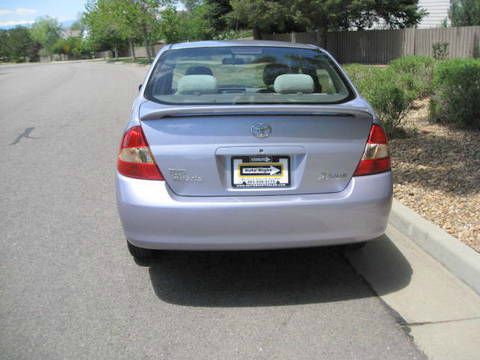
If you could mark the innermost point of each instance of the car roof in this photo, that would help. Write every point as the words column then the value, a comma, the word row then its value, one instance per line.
column 224, row 43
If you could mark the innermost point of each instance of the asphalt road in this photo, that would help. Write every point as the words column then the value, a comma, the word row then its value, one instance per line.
column 70, row 290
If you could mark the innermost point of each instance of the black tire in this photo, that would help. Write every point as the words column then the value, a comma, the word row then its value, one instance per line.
column 141, row 253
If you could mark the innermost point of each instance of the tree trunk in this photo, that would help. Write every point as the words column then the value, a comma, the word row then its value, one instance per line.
column 147, row 43
column 132, row 50
column 147, row 48
column 115, row 52
column 257, row 35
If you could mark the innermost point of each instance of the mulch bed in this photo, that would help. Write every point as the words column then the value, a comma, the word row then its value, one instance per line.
column 437, row 173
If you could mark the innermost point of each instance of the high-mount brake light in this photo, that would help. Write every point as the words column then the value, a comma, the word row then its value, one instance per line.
column 376, row 157
column 135, row 158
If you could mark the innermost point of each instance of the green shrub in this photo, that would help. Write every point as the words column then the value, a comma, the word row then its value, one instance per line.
column 440, row 50
column 417, row 73
column 384, row 90
column 358, row 73
column 457, row 93
column 233, row 34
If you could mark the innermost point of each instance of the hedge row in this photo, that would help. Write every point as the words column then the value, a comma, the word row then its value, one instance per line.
column 456, row 95
column 417, row 73
column 386, row 91
column 452, row 85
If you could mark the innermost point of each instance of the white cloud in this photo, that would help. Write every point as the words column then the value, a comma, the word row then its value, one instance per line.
column 15, row 22
column 17, row 11
column 25, row 11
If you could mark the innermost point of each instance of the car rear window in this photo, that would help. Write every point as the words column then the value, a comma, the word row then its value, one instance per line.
column 247, row 75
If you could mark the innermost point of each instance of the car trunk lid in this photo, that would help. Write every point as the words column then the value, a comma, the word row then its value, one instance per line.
column 201, row 150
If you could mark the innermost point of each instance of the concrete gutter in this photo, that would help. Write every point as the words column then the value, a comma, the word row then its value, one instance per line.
column 458, row 258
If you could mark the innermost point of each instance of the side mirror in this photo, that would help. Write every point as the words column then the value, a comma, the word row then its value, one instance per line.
column 139, row 87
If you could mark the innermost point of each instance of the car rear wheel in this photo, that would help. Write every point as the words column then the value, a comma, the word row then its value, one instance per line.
column 141, row 253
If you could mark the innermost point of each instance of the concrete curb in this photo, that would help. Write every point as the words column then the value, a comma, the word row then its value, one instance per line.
column 459, row 259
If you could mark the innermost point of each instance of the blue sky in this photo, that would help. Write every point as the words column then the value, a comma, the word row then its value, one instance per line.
column 24, row 12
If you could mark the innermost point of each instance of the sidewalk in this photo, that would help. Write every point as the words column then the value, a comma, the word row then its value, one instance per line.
column 439, row 311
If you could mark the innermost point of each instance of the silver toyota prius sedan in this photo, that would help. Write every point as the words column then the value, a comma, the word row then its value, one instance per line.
column 238, row 145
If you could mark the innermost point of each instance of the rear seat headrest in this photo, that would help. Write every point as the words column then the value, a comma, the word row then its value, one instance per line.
column 293, row 83
column 191, row 84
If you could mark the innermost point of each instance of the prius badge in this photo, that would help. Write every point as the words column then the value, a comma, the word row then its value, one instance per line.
column 261, row 130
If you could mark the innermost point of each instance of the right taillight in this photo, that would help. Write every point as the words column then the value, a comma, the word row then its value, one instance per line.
column 135, row 159
column 376, row 157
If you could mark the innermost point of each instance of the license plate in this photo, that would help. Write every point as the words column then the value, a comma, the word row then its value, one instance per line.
column 260, row 171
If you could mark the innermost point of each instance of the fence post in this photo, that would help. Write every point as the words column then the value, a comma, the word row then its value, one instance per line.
column 409, row 41
column 476, row 46
column 415, row 42
column 293, row 38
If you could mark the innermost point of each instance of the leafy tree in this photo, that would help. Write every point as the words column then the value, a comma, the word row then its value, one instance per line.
column 145, row 19
column 175, row 26
column 76, row 46
column 22, row 45
column 17, row 45
column 323, row 15
column 465, row 12
column 260, row 15
column 218, row 9
column 127, row 16
column 46, row 31
column 3, row 45
column 345, row 14
column 198, row 23
column 215, row 16
column 115, row 22
column 60, row 47
column 191, row 4
column 72, row 46
column 170, row 27
column 104, row 31
column 396, row 14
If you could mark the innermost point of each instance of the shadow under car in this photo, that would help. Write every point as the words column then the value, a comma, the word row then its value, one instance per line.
column 271, row 277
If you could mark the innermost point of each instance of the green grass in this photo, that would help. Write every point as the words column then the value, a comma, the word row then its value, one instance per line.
column 128, row 60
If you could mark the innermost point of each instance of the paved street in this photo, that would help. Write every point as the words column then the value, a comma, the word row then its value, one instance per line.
column 70, row 290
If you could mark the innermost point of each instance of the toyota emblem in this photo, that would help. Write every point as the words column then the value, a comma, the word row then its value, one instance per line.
column 261, row 130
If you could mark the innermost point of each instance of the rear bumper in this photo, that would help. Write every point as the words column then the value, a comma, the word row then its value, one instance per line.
column 154, row 217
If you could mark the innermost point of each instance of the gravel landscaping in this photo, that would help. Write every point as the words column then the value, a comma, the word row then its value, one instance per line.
column 437, row 174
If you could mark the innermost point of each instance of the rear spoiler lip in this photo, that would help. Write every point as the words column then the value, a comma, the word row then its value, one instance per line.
column 215, row 110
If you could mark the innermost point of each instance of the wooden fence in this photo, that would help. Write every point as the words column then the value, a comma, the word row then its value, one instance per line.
column 382, row 46
column 141, row 51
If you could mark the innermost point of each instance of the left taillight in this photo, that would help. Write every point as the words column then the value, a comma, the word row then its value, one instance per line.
column 376, row 157
column 135, row 158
